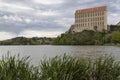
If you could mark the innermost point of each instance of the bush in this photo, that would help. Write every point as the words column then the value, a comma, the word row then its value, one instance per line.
column 116, row 37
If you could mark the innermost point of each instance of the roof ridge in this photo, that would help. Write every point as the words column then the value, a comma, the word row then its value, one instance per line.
column 100, row 8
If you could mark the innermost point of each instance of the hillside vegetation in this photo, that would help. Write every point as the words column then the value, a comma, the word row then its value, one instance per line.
column 89, row 37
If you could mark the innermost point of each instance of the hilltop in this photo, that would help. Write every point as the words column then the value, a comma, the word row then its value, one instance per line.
column 27, row 41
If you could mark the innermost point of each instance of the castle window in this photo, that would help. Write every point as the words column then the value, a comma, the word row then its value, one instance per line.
column 103, row 23
column 102, row 13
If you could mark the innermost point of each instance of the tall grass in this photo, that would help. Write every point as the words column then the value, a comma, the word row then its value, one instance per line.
column 16, row 68
column 69, row 68
column 106, row 68
column 65, row 68
column 59, row 68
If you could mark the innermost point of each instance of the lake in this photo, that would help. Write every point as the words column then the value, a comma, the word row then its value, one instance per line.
column 37, row 53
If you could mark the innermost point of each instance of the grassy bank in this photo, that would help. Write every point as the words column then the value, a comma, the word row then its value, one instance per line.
column 59, row 68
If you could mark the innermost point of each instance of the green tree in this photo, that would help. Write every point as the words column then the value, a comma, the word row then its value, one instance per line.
column 116, row 37
column 108, row 38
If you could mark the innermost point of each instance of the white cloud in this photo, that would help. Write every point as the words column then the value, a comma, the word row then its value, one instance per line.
column 48, row 2
column 27, row 20
column 66, row 22
column 29, row 33
column 6, row 35
column 35, row 33
column 11, row 18
column 116, row 4
column 113, row 18
column 13, row 7
column 15, row 18
column 46, row 13
column 85, row 1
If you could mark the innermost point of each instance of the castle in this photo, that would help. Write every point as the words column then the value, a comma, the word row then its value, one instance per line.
column 90, row 19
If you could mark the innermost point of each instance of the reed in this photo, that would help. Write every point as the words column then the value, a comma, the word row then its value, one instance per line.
column 69, row 68
column 106, row 68
column 65, row 68
column 16, row 68
column 59, row 68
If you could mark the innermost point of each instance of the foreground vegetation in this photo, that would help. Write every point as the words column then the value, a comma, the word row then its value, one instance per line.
column 59, row 68
column 89, row 37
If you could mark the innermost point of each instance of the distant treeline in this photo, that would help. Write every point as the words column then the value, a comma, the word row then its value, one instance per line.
column 27, row 41
column 89, row 37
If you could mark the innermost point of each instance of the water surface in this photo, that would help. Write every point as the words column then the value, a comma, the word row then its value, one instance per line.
column 37, row 53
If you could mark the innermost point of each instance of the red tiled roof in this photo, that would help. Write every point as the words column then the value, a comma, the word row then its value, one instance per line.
column 101, row 8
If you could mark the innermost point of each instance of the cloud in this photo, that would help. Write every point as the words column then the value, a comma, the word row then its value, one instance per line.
column 85, row 1
column 115, row 4
column 9, row 7
column 46, row 13
column 6, row 35
column 29, row 33
column 11, row 18
column 113, row 18
column 15, row 18
column 27, row 20
column 48, row 2
column 36, row 33
column 65, row 22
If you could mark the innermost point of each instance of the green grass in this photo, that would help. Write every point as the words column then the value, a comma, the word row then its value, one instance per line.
column 16, row 68
column 59, row 68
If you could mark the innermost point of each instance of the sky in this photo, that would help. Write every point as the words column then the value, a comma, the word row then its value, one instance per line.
column 46, row 18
